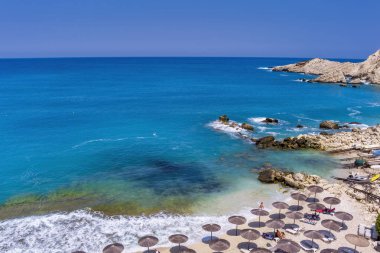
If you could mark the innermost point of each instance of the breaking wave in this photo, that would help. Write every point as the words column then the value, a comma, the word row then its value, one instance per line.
column 90, row 231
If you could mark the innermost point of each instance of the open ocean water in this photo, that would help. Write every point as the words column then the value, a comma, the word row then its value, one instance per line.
column 131, row 139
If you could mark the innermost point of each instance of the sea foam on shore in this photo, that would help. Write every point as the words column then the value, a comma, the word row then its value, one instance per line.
column 90, row 231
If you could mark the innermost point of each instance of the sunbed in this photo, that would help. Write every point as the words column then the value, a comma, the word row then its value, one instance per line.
column 308, row 246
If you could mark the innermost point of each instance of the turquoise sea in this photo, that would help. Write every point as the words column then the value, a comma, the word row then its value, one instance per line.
column 132, row 137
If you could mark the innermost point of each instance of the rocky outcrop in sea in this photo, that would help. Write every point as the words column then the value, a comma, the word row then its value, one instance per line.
column 328, row 71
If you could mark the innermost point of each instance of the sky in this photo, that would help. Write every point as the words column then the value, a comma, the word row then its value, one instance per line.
column 258, row 28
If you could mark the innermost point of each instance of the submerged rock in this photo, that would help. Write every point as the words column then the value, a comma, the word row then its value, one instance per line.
column 265, row 142
column 328, row 124
column 299, row 126
column 270, row 121
column 247, row 126
column 224, row 118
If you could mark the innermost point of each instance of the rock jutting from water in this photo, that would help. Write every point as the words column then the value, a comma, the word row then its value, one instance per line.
column 328, row 71
column 295, row 180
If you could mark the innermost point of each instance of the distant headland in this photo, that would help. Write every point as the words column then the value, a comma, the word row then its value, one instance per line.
column 328, row 71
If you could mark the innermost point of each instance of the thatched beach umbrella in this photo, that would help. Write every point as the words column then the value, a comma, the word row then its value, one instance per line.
column 237, row 220
column 332, row 201
column 299, row 197
column 186, row 250
column 275, row 224
column 178, row 239
column 313, row 234
column 260, row 250
column 288, row 246
column 280, row 205
column 316, row 206
column 343, row 216
column 250, row 235
column 294, row 215
column 329, row 251
column 259, row 212
column 331, row 225
column 113, row 248
column 357, row 240
column 211, row 228
column 148, row 241
column 315, row 189
column 220, row 245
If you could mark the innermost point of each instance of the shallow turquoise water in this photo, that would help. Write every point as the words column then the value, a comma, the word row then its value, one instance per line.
column 136, row 129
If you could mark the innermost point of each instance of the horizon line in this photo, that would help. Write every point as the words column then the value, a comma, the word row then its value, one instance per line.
column 97, row 57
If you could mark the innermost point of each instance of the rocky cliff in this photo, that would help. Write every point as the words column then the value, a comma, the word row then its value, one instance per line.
column 328, row 71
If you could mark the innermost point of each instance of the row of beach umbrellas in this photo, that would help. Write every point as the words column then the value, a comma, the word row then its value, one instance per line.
column 252, row 234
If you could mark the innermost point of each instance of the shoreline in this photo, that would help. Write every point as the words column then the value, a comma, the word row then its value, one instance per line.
column 357, row 209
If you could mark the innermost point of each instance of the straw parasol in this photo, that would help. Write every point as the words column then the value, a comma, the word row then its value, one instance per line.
column 314, row 206
column 288, row 246
column 220, row 245
column 294, row 215
column 331, row 225
column 299, row 197
column 211, row 228
column 343, row 216
column 113, row 248
column 250, row 235
column 259, row 212
column 78, row 251
column 178, row 239
column 280, row 205
column 260, row 250
column 148, row 241
column 331, row 201
column 237, row 220
column 313, row 234
column 186, row 250
column 275, row 224
column 315, row 189
column 329, row 251
column 357, row 240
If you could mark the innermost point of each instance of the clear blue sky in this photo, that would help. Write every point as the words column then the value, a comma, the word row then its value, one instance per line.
column 286, row 28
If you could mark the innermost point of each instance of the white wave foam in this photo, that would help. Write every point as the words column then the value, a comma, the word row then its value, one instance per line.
column 273, row 133
column 262, row 129
column 257, row 120
column 265, row 68
column 97, row 140
column 305, row 118
column 91, row 232
column 373, row 104
column 227, row 128
column 354, row 112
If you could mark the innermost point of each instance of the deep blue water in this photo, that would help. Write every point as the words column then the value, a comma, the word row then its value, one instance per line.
column 132, row 128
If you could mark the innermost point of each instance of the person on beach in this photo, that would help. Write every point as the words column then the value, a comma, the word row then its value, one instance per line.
column 280, row 234
column 261, row 205
column 157, row 251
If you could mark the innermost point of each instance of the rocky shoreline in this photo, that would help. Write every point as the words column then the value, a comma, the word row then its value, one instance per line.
column 368, row 138
column 328, row 71
column 348, row 139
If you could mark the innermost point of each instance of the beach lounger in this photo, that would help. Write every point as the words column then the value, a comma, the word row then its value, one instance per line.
column 306, row 246
column 364, row 231
column 328, row 239
column 374, row 235
column 270, row 236
column 311, row 222
column 294, row 230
